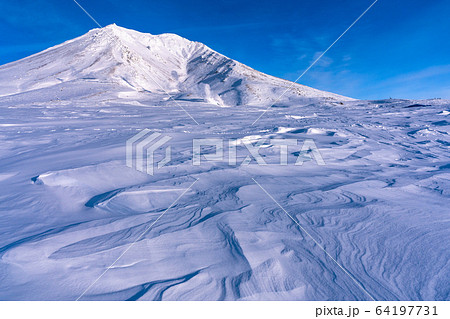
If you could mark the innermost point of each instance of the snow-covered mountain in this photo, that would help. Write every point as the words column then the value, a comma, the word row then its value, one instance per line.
column 76, row 223
column 132, row 64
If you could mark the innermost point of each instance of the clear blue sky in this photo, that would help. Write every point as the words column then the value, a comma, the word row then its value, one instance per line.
column 399, row 49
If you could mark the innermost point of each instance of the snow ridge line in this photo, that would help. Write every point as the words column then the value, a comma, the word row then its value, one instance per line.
column 314, row 240
column 139, row 238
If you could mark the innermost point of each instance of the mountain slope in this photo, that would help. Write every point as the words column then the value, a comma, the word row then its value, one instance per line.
column 124, row 63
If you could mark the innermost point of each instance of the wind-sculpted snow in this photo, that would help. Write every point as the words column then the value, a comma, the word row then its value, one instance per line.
column 70, row 207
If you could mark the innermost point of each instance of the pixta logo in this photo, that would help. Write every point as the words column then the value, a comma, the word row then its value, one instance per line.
column 141, row 151
column 142, row 147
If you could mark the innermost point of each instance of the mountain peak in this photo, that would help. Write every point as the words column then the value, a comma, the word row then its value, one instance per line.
column 112, row 26
column 114, row 30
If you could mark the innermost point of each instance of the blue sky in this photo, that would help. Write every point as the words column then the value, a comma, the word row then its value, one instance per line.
column 399, row 49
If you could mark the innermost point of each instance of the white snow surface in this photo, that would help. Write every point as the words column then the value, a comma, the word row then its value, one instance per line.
column 69, row 206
